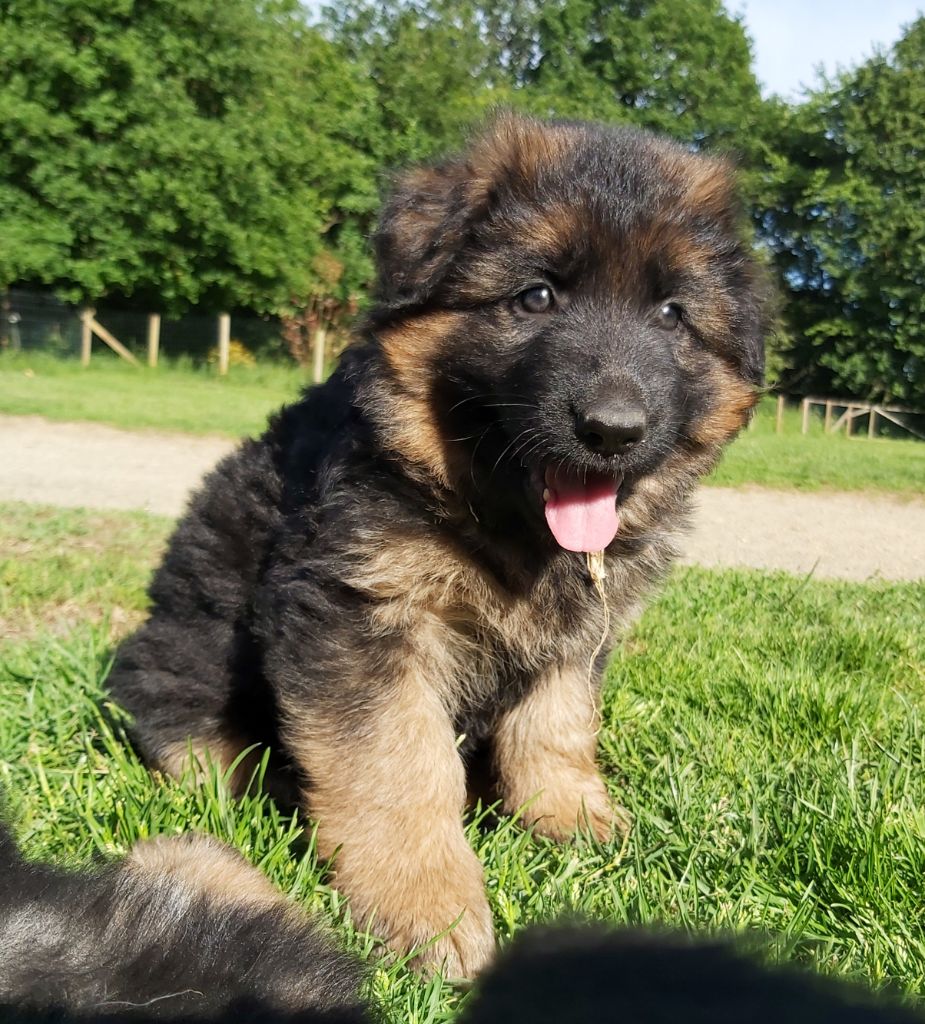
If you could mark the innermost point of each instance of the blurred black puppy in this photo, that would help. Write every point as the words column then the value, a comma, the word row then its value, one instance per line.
column 184, row 930
column 181, row 929
column 589, row 974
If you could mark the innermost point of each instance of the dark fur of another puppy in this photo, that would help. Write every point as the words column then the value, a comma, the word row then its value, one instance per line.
column 181, row 929
column 395, row 577
column 588, row 975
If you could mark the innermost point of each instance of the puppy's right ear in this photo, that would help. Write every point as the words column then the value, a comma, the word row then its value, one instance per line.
column 422, row 227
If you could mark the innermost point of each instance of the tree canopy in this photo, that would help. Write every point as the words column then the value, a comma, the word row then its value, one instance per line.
column 846, row 222
column 178, row 153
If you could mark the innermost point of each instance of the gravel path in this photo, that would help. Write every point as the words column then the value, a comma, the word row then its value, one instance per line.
column 839, row 535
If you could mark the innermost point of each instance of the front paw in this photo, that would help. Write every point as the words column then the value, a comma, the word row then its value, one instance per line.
column 437, row 911
column 560, row 813
column 464, row 947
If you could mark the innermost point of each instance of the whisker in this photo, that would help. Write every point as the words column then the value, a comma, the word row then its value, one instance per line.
column 506, row 450
column 477, row 398
column 526, row 455
column 474, row 450
column 531, row 434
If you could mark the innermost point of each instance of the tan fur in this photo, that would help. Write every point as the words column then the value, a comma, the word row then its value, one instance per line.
column 205, row 866
column 734, row 399
column 516, row 146
column 407, row 575
column 545, row 753
column 711, row 185
column 412, row 428
column 389, row 805
column 196, row 757
column 552, row 232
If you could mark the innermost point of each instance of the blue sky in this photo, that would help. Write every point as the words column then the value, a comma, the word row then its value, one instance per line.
column 791, row 37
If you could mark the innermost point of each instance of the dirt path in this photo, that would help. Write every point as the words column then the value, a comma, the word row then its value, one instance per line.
column 841, row 535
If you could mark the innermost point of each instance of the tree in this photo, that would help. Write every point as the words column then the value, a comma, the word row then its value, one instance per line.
column 848, row 229
column 433, row 65
column 177, row 151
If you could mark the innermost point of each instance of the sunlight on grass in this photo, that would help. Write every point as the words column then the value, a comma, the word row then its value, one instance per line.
column 175, row 396
column 818, row 461
column 766, row 732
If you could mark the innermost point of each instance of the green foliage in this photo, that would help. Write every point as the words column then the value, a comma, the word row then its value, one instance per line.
column 176, row 152
column 679, row 68
column 766, row 732
column 181, row 153
column 847, row 224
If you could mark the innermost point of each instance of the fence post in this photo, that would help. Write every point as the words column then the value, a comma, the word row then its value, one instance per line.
column 86, row 335
column 779, row 425
column 828, row 416
column 805, row 415
column 224, row 342
column 154, row 337
column 318, row 342
column 872, row 422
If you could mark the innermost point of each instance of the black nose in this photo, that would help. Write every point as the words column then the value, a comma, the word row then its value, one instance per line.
column 611, row 426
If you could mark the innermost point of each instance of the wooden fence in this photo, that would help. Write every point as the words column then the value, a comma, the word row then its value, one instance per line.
column 90, row 327
column 843, row 414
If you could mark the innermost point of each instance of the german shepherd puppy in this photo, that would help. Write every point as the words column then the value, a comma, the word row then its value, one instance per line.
column 428, row 555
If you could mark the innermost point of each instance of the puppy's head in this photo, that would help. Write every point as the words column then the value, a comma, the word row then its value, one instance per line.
column 565, row 312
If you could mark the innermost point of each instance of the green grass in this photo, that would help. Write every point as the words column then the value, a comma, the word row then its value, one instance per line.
column 817, row 461
column 174, row 396
column 178, row 396
column 767, row 733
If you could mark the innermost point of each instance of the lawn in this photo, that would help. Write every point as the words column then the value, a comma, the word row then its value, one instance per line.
column 179, row 396
column 819, row 461
column 175, row 396
column 767, row 733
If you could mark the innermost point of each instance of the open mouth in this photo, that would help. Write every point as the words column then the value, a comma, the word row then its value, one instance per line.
column 581, row 507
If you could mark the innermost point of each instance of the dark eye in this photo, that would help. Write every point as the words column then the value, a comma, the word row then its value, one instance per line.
column 669, row 316
column 539, row 299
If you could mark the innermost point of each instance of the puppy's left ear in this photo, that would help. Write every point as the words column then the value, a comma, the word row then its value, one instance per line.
column 422, row 227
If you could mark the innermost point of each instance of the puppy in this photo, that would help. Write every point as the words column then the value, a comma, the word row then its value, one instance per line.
column 588, row 975
column 427, row 557
column 182, row 929
column 185, row 931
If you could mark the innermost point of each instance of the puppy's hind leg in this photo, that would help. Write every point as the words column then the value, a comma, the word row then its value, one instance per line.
column 175, row 680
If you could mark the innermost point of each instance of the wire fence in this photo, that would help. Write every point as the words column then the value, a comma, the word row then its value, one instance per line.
column 39, row 321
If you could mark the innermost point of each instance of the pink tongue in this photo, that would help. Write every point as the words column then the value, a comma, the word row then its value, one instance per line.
column 582, row 513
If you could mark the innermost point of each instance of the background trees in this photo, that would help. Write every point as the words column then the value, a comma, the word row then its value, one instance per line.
column 178, row 153
column 185, row 153
column 846, row 223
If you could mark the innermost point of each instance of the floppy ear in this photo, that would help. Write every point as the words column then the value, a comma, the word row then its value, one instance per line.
column 426, row 220
column 422, row 227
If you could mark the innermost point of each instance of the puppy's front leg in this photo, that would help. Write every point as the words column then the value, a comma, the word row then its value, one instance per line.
column 387, row 787
column 545, row 754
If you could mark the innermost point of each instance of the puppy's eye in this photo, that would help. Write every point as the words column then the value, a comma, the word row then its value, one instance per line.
column 669, row 316
column 539, row 299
